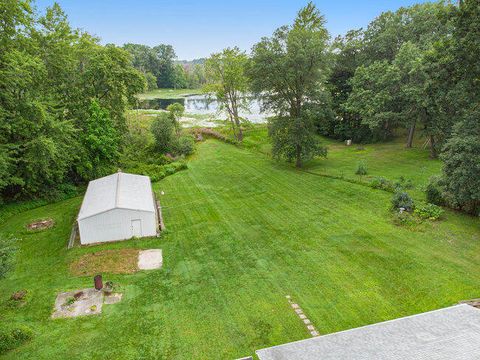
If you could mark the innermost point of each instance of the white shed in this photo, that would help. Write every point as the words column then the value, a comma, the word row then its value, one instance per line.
column 117, row 207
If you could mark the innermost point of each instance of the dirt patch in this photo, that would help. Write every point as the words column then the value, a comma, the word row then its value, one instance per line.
column 40, row 224
column 473, row 302
column 123, row 261
column 18, row 295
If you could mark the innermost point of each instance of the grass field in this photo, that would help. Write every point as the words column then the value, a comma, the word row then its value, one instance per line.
column 168, row 93
column 390, row 160
column 243, row 232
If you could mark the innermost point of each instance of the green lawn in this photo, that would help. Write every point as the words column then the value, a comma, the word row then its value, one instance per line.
column 168, row 93
column 390, row 160
column 243, row 232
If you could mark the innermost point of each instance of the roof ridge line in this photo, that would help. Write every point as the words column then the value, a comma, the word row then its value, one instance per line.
column 116, row 190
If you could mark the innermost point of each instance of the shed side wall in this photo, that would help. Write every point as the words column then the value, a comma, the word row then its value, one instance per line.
column 114, row 225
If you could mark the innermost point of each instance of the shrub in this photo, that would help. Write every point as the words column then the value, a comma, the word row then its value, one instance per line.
column 151, row 81
column 429, row 211
column 382, row 183
column 186, row 145
column 401, row 199
column 403, row 183
column 158, row 172
column 461, row 163
column 12, row 338
column 405, row 219
column 361, row 169
column 434, row 191
column 163, row 130
column 215, row 134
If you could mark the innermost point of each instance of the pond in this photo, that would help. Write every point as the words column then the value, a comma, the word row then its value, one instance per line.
column 203, row 105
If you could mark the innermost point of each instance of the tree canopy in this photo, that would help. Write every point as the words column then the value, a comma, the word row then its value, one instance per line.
column 49, row 76
column 288, row 70
column 227, row 80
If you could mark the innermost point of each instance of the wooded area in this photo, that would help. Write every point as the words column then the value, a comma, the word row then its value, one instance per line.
column 415, row 70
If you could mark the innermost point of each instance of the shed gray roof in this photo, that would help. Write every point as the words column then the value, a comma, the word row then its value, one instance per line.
column 119, row 190
column 452, row 333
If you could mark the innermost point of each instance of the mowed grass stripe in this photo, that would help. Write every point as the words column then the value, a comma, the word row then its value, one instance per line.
column 242, row 232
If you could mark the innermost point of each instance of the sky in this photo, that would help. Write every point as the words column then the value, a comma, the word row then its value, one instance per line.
column 198, row 28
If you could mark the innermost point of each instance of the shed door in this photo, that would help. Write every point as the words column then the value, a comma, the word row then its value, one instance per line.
column 137, row 228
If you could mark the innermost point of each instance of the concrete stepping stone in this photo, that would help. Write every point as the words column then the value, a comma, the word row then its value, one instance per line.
column 113, row 298
column 306, row 321
column 150, row 259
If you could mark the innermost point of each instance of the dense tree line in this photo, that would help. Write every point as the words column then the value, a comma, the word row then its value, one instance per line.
column 161, row 69
column 62, row 101
column 415, row 69
column 63, row 96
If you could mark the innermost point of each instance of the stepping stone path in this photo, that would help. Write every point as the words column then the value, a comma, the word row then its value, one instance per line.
column 298, row 310
column 150, row 259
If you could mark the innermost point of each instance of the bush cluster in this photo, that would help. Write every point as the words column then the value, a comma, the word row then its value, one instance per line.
column 361, row 169
column 401, row 199
column 391, row 186
column 12, row 338
column 207, row 132
column 185, row 145
column 405, row 219
column 403, row 183
column 383, row 184
column 434, row 192
column 158, row 172
column 428, row 211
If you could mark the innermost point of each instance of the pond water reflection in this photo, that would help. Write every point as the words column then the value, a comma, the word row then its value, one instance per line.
column 203, row 105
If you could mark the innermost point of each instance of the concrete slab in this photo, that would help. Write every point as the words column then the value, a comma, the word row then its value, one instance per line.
column 87, row 302
column 112, row 298
column 150, row 259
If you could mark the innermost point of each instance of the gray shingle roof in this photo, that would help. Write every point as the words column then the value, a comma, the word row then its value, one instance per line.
column 119, row 190
column 452, row 333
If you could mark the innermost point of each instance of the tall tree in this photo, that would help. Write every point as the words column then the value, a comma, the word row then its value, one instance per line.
column 100, row 141
column 461, row 168
column 461, row 154
column 176, row 111
column 226, row 78
column 289, row 71
column 347, row 56
column 374, row 95
column 49, row 74
column 166, row 70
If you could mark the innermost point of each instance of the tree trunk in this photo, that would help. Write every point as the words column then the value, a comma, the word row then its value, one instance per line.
column 298, row 155
column 238, row 125
column 240, row 133
column 411, row 132
column 433, row 151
